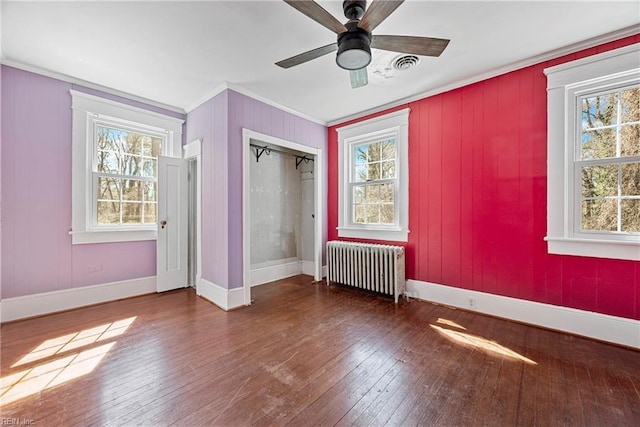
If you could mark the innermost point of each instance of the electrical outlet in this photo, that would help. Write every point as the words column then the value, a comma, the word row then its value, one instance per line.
column 94, row 268
column 472, row 303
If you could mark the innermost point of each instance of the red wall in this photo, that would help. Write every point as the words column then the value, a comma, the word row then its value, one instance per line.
column 477, row 198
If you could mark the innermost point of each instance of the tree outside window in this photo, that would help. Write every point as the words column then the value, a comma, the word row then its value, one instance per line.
column 609, row 161
column 126, row 172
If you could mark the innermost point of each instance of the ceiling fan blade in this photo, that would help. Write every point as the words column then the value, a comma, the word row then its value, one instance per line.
column 359, row 78
column 427, row 46
column 377, row 12
column 316, row 12
column 307, row 56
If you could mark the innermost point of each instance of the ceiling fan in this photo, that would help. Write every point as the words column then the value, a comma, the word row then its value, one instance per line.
column 355, row 39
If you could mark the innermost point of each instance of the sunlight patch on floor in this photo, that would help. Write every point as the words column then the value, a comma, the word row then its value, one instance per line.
column 64, row 368
column 481, row 343
column 76, row 340
column 450, row 323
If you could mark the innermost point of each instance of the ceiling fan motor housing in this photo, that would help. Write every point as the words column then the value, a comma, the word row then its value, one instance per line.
column 353, row 9
column 354, row 52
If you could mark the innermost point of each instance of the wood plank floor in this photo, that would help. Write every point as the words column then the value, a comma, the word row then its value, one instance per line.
column 306, row 354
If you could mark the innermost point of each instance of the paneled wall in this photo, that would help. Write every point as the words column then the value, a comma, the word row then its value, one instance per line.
column 219, row 123
column 477, row 198
column 209, row 123
column 37, row 255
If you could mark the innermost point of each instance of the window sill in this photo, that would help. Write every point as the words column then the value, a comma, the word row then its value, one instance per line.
column 111, row 236
column 594, row 248
column 394, row 235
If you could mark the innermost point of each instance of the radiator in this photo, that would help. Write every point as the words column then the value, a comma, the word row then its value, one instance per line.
column 376, row 268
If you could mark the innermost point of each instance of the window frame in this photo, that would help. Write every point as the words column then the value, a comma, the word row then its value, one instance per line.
column 88, row 112
column 567, row 84
column 396, row 125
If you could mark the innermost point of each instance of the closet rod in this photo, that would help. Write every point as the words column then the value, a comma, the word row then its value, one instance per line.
column 260, row 150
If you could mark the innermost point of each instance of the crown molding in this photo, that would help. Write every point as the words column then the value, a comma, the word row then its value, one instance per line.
column 89, row 85
column 242, row 90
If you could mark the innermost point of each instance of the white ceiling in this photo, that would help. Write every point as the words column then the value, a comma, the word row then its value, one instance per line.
column 178, row 53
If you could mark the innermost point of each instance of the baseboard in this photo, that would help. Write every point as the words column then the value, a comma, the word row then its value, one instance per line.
column 308, row 268
column 67, row 299
column 617, row 330
column 226, row 299
column 260, row 276
column 236, row 298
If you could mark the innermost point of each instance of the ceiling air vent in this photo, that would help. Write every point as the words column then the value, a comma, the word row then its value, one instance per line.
column 405, row 62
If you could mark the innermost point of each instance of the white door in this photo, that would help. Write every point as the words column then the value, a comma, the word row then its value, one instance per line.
column 172, row 224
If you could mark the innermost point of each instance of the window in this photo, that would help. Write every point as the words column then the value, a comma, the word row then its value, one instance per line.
column 373, row 179
column 115, row 158
column 608, row 161
column 594, row 156
column 125, row 176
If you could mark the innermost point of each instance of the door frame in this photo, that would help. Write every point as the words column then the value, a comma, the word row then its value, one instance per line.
column 193, row 152
column 318, row 164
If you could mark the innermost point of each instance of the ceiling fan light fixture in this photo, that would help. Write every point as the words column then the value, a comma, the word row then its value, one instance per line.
column 354, row 52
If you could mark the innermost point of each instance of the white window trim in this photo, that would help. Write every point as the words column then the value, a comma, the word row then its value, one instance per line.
column 398, row 123
column 564, row 83
column 85, row 109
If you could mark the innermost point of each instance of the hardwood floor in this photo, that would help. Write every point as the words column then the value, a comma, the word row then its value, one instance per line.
column 306, row 354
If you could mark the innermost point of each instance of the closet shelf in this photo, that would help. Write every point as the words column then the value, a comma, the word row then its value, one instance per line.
column 260, row 150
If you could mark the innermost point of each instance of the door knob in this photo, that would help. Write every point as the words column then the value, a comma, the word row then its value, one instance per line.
column 163, row 223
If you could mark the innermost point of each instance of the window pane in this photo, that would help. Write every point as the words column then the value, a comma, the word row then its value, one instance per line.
column 132, row 190
column 151, row 147
column 108, row 162
column 386, row 214
column 389, row 169
column 108, row 188
column 630, row 140
column 372, row 194
column 360, row 154
column 631, row 179
column 388, row 149
column 599, row 111
column 132, row 143
column 631, row 215
column 149, row 167
column 150, row 213
column 600, row 181
column 106, row 140
column 372, row 213
column 360, row 214
column 630, row 105
column 600, row 215
column 386, row 193
column 361, row 173
column 374, row 152
column 359, row 194
column 131, row 213
column 131, row 165
column 598, row 144
column 151, row 191
column 108, row 213
column 374, row 171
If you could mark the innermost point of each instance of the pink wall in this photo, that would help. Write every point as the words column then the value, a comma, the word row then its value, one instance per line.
column 246, row 112
column 37, row 255
column 208, row 122
column 219, row 122
column 477, row 198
